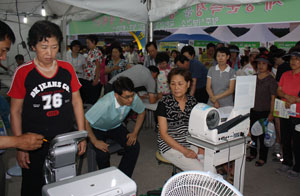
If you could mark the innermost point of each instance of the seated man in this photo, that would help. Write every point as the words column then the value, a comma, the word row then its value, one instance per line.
column 106, row 118
column 141, row 77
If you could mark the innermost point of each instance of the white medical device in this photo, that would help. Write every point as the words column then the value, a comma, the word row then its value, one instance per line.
column 205, row 124
column 60, row 163
column 106, row 182
column 205, row 121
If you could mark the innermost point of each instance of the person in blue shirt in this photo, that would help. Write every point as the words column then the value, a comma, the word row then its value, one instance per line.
column 104, row 120
column 188, row 61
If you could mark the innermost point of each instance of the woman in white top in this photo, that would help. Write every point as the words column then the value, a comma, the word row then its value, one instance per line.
column 76, row 59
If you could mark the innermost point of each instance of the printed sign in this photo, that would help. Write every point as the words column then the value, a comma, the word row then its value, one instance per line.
column 104, row 23
column 206, row 14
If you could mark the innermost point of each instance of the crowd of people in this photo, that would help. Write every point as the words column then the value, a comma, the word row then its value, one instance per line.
column 47, row 94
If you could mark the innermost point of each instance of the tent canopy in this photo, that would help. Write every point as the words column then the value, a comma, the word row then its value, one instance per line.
column 137, row 11
column 258, row 33
column 293, row 36
column 224, row 34
column 190, row 31
column 134, row 10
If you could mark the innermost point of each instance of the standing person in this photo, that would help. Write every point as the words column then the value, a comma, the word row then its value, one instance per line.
column 19, row 59
column 117, row 64
column 131, row 56
column 289, row 91
column 91, row 86
column 221, row 80
column 207, row 58
column 26, row 141
column 44, row 96
column 199, row 74
column 250, row 68
column 277, row 55
column 104, row 120
column 234, row 60
column 244, row 61
column 174, row 54
column 266, row 87
column 247, row 51
column 284, row 66
column 151, row 49
column 162, row 59
column 173, row 113
column 76, row 59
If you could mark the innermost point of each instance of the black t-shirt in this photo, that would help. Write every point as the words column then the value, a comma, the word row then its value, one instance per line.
column 47, row 106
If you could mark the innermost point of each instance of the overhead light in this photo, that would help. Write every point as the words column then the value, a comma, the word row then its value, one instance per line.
column 25, row 20
column 43, row 11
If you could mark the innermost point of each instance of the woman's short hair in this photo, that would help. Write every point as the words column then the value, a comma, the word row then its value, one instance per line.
column 75, row 43
column 118, row 47
column 122, row 84
column 180, row 71
column 41, row 30
column 161, row 57
column 222, row 50
column 93, row 39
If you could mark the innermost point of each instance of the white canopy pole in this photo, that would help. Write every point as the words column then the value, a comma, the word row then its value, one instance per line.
column 63, row 27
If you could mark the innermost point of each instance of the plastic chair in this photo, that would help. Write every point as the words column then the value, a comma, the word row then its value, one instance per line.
column 161, row 159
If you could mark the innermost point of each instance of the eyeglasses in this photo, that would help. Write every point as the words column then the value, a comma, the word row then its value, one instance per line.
column 128, row 96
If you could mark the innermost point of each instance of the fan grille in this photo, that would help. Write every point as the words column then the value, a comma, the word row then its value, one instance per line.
column 198, row 184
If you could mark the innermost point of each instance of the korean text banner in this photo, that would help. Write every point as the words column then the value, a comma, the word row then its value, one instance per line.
column 104, row 23
column 205, row 14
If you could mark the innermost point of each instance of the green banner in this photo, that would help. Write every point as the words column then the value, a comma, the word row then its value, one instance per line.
column 245, row 44
column 168, row 45
column 104, row 23
column 205, row 14
column 198, row 43
column 285, row 44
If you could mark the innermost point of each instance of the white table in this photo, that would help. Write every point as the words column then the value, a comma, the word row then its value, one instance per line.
column 218, row 154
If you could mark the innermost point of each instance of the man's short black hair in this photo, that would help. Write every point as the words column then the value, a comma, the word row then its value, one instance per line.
column 161, row 57
column 6, row 32
column 149, row 44
column 189, row 49
column 181, row 58
column 75, row 43
column 153, row 69
column 41, row 30
column 209, row 45
column 19, row 57
column 122, row 84
column 93, row 38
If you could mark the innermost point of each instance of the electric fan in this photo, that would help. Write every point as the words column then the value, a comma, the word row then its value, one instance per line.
column 197, row 183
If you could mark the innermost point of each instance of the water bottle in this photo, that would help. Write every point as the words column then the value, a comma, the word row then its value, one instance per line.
column 270, row 135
